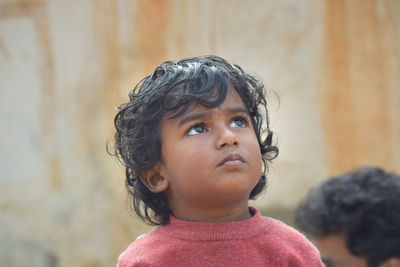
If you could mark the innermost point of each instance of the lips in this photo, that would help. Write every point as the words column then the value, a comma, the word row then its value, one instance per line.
column 233, row 158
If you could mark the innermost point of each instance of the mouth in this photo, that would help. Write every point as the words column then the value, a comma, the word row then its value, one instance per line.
column 233, row 158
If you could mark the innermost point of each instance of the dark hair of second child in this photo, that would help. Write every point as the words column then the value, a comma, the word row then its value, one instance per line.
column 363, row 206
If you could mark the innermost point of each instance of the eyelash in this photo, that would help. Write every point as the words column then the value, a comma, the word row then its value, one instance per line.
column 241, row 118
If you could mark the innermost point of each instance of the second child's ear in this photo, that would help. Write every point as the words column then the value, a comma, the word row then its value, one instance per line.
column 153, row 180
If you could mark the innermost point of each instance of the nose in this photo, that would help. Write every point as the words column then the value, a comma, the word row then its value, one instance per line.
column 226, row 138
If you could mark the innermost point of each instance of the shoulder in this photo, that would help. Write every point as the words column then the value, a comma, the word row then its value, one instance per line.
column 292, row 243
column 150, row 249
column 284, row 232
column 142, row 249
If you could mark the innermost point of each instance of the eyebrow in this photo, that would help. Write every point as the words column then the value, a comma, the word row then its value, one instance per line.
column 199, row 115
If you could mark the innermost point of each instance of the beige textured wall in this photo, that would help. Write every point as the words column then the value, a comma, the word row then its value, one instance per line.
column 65, row 65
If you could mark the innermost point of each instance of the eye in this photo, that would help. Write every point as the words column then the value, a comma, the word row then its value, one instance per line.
column 197, row 129
column 238, row 122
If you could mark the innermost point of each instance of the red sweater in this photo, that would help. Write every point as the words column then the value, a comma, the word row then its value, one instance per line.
column 258, row 241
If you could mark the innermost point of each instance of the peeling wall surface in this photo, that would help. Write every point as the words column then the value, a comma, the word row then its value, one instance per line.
column 64, row 65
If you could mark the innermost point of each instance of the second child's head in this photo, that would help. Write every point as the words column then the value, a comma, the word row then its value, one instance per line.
column 354, row 219
column 193, row 136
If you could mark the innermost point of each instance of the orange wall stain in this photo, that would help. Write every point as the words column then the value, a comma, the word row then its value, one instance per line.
column 36, row 10
column 151, row 33
column 5, row 53
column 19, row 8
column 354, row 98
column 105, row 29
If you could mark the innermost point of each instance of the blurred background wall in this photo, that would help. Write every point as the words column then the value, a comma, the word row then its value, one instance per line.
column 65, row 65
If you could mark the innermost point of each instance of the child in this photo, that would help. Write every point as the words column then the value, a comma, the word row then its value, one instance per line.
column 195, row 148
column 354, row 218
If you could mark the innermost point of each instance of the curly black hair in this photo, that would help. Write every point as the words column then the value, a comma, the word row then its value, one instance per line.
column 170, row 89
column 364, row 206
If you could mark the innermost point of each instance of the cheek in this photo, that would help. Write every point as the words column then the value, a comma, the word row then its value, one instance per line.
column 184, row 158
column 254, row 148
column 184, row 151
column 255, row 152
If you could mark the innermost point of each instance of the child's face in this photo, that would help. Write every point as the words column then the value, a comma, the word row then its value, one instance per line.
column 211, row 159
column 334, row 252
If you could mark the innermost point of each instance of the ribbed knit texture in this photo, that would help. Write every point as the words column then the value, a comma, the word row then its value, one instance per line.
column 258, row 241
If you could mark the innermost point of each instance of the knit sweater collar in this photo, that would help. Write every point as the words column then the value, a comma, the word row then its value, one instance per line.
column 190, row 230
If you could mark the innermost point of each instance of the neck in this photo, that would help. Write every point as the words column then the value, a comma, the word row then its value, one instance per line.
column 213, row 214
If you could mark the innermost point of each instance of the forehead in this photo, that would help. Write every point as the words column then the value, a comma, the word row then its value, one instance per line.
column 232, row 101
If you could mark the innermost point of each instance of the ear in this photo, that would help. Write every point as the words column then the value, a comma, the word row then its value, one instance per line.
column 153, row 180
column 392, row 262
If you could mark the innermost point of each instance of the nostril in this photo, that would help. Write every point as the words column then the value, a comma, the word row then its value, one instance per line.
column 227, row 139
column 232, row 142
